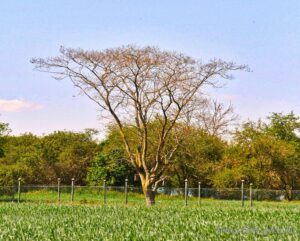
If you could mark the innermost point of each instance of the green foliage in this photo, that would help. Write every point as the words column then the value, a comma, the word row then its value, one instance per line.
column 111, row 163
column 41, row 160
column 112, row 167
column 9, row 174
column 227, row 177
column 4, row 130
column 266, row 154
column 284, row 127
column 195, row 158
column 68, row 154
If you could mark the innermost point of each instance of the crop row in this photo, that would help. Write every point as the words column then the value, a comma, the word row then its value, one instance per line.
column 209, row 222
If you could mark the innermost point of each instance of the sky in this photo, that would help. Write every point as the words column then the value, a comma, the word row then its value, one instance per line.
column 262, row 34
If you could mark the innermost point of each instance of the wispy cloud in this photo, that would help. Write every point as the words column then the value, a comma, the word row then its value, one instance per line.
column 18, row 106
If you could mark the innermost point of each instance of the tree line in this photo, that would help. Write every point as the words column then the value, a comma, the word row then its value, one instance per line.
column 266, row 154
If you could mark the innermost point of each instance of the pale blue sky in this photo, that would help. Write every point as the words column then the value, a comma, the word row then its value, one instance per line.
column 263, row 34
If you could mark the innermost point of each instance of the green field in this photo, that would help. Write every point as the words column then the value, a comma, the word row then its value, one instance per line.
column 214, row 220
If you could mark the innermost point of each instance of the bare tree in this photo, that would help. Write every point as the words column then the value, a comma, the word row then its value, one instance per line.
column 216, row 118
column 135, row 85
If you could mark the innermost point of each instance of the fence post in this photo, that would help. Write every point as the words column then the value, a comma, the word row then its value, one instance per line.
column 185, row 192
column 242, row 193
column 104, row 191
column 19, row 189
column 199, row 193
column 72, row 190
column 126, row 191
column 251, row 194
column 58, row 189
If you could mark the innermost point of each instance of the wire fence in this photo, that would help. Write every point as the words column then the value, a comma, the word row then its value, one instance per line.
column 129, row 194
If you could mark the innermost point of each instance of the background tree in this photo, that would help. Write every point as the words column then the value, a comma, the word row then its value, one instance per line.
column 21, row 159
column 285, row 128
column 4, row 130
column 216, row 118
column 266, row 154
column 110, row 163
column 196, row 157
column 135, row 85
column 41, row 160
column 68, row 155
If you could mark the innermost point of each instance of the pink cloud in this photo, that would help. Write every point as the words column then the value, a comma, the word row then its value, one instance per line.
column 18, row 106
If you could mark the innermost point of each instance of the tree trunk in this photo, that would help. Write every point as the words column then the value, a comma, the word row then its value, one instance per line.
column 147, row 190
column 150, row 197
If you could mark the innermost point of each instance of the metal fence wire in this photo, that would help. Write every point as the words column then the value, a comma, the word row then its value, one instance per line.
column 130, row 194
